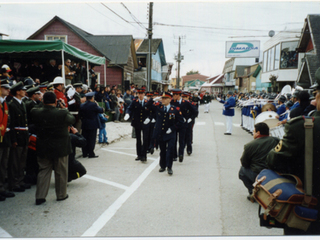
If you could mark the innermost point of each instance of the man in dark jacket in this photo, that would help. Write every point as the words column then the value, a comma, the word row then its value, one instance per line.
column 89, row 115
column 289, row 157
column 19, row 139
column 304, row 102
column 253, row 158
column 140, row 115
column 53, row 146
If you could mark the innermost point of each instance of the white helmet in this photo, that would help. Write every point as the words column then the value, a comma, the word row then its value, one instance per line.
column 58, row 80
column 85, row 87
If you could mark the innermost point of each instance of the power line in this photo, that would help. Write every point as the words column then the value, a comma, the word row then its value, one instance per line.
column 104, row 15
column 118, row 15
column 133, row 17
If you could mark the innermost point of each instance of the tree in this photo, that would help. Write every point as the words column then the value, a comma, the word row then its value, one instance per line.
column 192, row 72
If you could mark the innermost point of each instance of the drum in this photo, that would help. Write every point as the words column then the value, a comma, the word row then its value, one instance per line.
column 268, row 117
column 277, row 131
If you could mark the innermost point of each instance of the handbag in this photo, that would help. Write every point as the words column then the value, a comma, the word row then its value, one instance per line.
column 282, row 195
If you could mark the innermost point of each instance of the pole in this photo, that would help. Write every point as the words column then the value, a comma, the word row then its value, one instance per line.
column 88, row 75
column 105, row 73
column 149, row 52
column 179, row 60
column 62, row 67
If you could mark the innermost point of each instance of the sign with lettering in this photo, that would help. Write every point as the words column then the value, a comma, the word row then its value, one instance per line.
column 243, row 49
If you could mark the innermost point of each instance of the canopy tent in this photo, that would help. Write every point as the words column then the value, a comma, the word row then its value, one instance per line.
column 36, row 49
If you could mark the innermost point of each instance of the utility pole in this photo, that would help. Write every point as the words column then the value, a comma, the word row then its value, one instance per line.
column 149, row 32
column 179, row 58
column 179, row 61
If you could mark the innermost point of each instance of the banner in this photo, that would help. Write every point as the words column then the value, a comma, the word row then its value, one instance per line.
column 243, row 49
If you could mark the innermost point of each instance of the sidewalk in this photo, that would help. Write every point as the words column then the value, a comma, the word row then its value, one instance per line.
column 115, row 132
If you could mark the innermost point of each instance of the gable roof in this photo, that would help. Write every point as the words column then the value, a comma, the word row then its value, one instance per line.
column 115, row 48
column 143, row 46
column 191, row 77
column 311, row 30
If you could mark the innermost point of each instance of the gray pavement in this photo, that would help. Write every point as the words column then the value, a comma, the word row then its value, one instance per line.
column 120, row 197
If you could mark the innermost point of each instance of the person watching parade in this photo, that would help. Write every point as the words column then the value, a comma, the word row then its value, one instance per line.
column 53, row 147
column 206, row 101
column 58, row 84
column 89, row 116
column 253, row 158
column 228, row 111
column 289, row 156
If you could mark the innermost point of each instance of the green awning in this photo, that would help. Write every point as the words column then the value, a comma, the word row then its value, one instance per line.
column 18, row 47
column 256, row 72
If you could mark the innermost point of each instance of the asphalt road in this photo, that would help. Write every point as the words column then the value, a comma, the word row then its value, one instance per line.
column 121, row 197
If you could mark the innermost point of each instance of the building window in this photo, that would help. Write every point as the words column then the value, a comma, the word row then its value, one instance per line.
column 277, row 57
column 265, row 61
column 62, row 38
column 289, row 56
column 271, row 59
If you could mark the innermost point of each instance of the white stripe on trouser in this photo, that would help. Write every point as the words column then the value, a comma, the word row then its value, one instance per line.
column 206, row 107
column 229, row 124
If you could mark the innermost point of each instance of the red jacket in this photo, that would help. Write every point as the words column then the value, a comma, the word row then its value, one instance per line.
column 59, row 95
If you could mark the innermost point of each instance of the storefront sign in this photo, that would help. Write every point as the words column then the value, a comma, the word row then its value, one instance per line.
column 243, row 49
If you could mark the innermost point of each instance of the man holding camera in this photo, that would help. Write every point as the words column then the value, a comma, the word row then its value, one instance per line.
column 53, row 146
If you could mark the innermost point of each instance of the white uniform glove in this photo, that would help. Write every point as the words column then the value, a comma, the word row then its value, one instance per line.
column 126, row 117
column 219, row 99
column 157, row 99
column 189, row 120
column 184, row 120
column 169, row 131
column 153, row 120
column 146, row 121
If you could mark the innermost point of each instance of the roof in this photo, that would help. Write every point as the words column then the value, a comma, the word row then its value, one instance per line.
column 311, row 29
column 191, row 77
column 143, row 47
column 25, row 48
column 256, row 72
column 116, row 48
column 193, row 83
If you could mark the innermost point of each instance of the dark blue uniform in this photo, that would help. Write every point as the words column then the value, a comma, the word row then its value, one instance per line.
column 187, row 110
column 89, row 115
column 139, row 112
column 164, row 120
column 189, row 129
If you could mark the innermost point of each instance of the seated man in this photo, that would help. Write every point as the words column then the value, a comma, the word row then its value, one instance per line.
column 253, row 159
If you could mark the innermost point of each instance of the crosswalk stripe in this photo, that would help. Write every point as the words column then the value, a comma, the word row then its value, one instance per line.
column 219, row 123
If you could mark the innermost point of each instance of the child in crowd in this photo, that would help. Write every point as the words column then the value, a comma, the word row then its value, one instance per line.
column 121, row 109
column 102, row 130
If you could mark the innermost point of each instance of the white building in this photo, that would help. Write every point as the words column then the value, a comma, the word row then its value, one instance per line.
column 280, row 59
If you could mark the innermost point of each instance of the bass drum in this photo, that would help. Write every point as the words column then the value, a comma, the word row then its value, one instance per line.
column 268, row 117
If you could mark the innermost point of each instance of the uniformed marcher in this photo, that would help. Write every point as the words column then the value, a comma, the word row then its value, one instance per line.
column 281, row 108
column 5, row 142
column 19, row 139
column 228, row 111
column 53, row 146
column 58, row 84
column 152, row 117
column 289, row 156
column 188, row 112
column 140, row 120
column 169, row 119
column 89, row 115
column 74, row 105
column 32, row 166
column 189, row 130
column 206, row 101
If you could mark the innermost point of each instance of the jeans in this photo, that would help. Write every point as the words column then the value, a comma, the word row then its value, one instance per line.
column 107, row 105
column 248, row 177
column 103, row 135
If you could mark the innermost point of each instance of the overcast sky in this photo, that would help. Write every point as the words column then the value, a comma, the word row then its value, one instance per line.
column 206, row 26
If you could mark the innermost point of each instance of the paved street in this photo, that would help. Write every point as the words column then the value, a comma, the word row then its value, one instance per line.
column 120, row 197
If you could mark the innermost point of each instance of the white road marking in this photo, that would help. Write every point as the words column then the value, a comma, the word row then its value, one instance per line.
column 4, row 234
column 219, row 123
column 111, row 211
column 128, row 154
column 200, row 123
column 236, row 125
column 118, row 185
